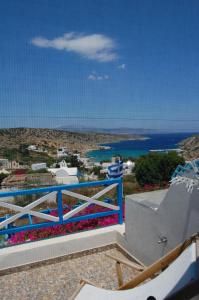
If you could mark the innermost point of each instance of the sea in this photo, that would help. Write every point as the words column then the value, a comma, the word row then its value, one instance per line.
column 137, row 148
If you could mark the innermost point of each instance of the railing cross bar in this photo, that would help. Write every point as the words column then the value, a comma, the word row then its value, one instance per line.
column 69, row 217
column 91, row 200
column 25, row 209
column 31, row 212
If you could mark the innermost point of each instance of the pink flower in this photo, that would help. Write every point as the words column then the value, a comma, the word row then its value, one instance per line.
column 31, row 235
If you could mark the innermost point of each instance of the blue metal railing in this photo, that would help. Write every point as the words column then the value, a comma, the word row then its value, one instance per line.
column 7, row 227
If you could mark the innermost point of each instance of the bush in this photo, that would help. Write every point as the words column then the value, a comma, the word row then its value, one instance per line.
column 96, row 170
column 2, row 177
column 156, row 168
column 40, row 171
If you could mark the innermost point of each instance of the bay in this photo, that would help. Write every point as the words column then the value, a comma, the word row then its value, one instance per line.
column 137, row 148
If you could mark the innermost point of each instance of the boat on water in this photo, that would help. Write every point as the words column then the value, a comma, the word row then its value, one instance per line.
column 166, row 150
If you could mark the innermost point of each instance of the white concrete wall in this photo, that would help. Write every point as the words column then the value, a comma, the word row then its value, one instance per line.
column 29, row 253
column 177, row 218
column 67, row 179
column 39, row 166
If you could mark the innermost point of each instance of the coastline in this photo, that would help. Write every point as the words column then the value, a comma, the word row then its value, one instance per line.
column 138, row 147
column 123, row 139
column 52, row 139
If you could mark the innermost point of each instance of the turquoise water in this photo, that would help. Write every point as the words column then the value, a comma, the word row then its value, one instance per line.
column 107, row 154
column 139, row 147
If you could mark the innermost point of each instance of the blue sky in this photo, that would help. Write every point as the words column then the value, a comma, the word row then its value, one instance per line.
column 100, row 63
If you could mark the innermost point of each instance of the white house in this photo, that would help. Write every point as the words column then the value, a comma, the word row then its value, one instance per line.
column 61, row 152
column 87, row 162
column 128, row 167
column 105, row 166
column 4, row 163
column 65, row 175
column 38, row 166
column 14, row 165
column 4, row 171
column 63, row 164
column 32, row 148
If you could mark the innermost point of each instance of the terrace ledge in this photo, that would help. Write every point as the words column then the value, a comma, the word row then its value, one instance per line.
column 38, row 251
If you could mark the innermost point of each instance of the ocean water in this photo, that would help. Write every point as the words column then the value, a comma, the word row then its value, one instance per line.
column 140, row 147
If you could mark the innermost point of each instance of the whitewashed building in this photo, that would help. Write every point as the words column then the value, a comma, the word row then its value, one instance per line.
column 4, row 163
column 4, row 171
column 87, row 162
column 32, row 147
column 14, row 165
column 38, row 166
column 128, row 167
column 62, row 152
column 65, row 175
column 11, row 164
column 63, row 164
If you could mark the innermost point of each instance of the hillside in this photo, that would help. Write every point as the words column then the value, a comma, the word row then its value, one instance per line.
column 190, row 146
column 51, row 139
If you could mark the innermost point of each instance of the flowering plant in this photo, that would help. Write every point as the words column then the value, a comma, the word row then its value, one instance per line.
column 51, row 231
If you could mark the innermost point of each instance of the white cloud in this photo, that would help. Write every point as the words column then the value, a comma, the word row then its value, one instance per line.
column 94, row 46
column 122, row 67
column 95, row 76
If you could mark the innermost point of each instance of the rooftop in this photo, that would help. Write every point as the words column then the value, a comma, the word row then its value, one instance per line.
column 150, row 199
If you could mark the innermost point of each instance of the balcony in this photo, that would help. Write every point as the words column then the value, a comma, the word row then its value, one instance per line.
column 51, row 268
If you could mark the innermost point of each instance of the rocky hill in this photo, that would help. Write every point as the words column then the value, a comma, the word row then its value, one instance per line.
column 51, row 139
column 190, row 146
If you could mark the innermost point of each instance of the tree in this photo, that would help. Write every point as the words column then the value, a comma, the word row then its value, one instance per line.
column 156, row 168
column 23, row 148
column 96, row 170
column 74, row 162
column 2, row 176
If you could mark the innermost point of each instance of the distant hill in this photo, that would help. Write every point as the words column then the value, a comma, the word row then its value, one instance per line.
column 190, row 147
column 51, row 139
column 122, row 130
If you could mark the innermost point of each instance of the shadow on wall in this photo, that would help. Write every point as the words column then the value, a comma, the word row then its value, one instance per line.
column 190, row 292
column 158, row 221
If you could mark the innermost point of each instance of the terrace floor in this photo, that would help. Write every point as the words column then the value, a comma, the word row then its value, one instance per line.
column 58, row 279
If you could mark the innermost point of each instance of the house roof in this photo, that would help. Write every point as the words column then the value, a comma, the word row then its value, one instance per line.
column 4, row 171
column 62, row 170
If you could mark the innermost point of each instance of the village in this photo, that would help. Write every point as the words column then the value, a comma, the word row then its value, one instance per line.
column 68, row 167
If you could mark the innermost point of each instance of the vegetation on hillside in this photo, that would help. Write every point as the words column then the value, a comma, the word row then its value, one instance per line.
column 190, row 146
column 26, row 157
column 51, row 139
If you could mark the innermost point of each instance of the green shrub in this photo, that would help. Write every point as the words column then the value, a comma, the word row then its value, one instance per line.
column 156, row 168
